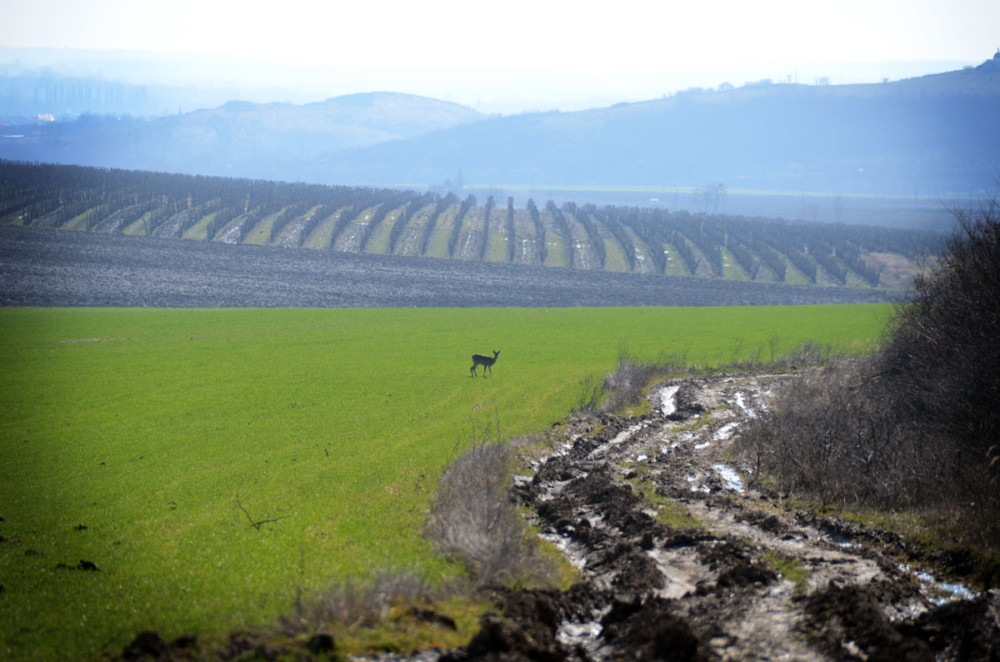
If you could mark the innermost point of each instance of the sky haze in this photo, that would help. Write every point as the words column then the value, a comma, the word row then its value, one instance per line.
column 519, row 56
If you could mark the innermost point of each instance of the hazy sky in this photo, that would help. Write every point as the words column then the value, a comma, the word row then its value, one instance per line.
column 621, row 50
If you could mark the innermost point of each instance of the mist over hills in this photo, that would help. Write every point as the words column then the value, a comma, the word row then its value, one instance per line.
column 929, row 136
column 281, row 141
column 932, row 135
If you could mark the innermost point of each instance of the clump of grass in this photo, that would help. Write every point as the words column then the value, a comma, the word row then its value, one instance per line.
column 392, row 610
column 794, row 570
column 668, row 511
column 673, row 514
column 366, row 603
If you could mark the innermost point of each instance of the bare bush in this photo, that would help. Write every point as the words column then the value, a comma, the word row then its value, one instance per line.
column 943, row 361
column 833, row 437
column 917, row 424
column 473, row 518
column 626, row 385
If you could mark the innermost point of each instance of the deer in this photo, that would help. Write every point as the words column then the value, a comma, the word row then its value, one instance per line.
column 485, row 361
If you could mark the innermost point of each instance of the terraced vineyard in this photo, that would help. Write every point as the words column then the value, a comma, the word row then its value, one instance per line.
column 399, row 222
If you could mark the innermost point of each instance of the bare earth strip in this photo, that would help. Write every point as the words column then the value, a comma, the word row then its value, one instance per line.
column 736, row 577
column 43, row 267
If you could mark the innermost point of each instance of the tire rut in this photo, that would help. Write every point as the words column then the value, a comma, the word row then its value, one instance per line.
column 678, row 560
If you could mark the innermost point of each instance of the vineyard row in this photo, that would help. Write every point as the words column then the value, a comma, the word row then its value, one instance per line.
column 395, row 222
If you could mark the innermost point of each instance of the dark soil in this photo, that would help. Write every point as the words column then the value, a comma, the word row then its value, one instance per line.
column 45, row 267
column 650, row 591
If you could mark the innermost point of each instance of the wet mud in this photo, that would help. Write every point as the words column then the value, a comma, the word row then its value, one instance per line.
column 735, row 577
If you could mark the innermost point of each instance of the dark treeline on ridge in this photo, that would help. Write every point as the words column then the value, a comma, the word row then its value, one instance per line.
column 400, row 222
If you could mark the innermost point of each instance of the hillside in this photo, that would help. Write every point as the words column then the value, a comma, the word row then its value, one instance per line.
column 933, row 135
column 929, row 136
column 396, row 223
column 271, row 140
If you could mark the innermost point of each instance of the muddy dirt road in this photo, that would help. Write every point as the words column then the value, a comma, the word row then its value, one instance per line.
column 680, row 560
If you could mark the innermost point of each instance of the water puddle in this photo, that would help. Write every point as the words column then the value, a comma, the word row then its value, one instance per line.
column 939, row 593
column 585, row 636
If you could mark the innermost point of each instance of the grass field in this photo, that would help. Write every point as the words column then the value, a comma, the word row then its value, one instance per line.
column 146, row 440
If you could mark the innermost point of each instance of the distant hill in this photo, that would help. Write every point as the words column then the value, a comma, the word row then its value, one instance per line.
column 273, row 141
column 929, row 136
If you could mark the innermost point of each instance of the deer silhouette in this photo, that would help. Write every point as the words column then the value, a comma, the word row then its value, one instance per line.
column 485, row 361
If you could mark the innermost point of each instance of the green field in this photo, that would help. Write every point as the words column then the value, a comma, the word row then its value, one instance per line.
column 155, row 429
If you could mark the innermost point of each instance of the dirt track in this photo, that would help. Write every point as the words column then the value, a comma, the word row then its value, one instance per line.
column 741, row 579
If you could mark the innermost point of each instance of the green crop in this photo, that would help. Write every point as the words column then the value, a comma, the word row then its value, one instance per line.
column 216, row 464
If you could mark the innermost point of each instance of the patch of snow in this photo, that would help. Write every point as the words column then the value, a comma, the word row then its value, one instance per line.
column 742, row 404
column 730, row 479
column 840, row 541
column 625, row 434
column 572, row 633
column 668, row 399
column 697, row 488
column 622, row 436
column 642, row 458
column 701, row 447
column 725, row 432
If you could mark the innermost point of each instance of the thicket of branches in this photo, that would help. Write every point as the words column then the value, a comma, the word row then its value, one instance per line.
column 917, row 425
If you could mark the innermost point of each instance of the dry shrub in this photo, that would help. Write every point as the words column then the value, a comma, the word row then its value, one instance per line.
column 835, row 437
column 625, row 386
column 918, row 423
column 473, row 518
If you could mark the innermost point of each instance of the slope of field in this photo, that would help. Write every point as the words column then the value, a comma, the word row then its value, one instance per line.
column 146, row 443
column 387, row 222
